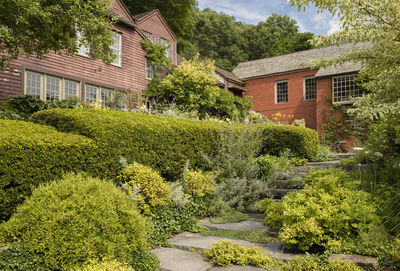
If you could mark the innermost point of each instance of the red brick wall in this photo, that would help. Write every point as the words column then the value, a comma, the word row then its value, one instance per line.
column 324, row 96
column 156, row 26
column 262, row 93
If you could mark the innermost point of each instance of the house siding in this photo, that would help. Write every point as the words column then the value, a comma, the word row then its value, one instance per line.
column 261, row 91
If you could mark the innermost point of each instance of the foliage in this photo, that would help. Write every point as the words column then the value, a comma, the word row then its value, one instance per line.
column 31, row 154
column 299, row 122
column 156, row 55
column 251, row 236
column 151, row 189
column 21, row 258
column 192, row 84
column 323, row 154
column 106, row 266
column 226, row 253
column 327, row 211
column 144, row 260
column 313, row 263
column 273, row 212
column 78, row 219
column 197, row 184
column 34, row 28
column 229, row 216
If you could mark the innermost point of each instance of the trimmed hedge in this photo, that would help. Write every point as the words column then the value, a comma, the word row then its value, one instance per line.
column 31, row 154
column 165, row 143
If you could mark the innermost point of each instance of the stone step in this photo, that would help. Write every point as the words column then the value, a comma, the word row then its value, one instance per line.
column 291, row 184
column 329, row 164
column 189, row 241
column 341, row 156
column 280, row 193
column 173, row 259
column 247, row 225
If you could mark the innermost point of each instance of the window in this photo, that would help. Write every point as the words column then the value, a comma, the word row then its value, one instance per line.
column 71, row 89
column 91, row 94
column 105, row 96
column 345, row 88
column 150, row 37
column 116, row 48
column 33, row 84
column 53, row 89
column 168, row 51
column 282, row 92
column 84, row 49
column 310, row 88
column 150, row 72
column 47, row 87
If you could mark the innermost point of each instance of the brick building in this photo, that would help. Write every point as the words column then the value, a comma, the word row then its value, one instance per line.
column 61, row 76
column 288, row 85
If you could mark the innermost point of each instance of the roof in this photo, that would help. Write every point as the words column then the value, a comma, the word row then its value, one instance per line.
column 229, row 76
column 299, row 61
column 143, row 15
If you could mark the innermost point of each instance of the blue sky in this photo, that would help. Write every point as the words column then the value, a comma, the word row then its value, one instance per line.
column 253, row 11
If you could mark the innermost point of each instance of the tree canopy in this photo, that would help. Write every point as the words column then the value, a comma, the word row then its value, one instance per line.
column 35, row 28
column 377, row 22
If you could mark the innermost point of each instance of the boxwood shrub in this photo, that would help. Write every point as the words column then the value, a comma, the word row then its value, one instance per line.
column 165, row 143
column 31, row 154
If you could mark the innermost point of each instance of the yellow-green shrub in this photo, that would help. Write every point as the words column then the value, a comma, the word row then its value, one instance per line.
column 152, row 189
column 31, row 154
column 311, row 263
column 227, row 253
column 75, row 220
column 273, row 212
column 197, row 184
column 106, row 266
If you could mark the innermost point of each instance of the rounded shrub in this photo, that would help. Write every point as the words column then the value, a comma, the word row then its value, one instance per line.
column 106, row 266
column 312, row 263
column 197, row 184
column 21, row 258
column 151, row 187
column 78, row 219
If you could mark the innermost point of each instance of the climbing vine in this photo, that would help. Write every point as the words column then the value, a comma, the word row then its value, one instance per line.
column 157, row 58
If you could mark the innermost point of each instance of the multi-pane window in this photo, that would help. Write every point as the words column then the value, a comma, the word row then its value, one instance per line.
column 84, row 49
column 53, row 90
column 116, row 48
column 33, row 84
column 310, row 88
column 150, row 73
column 105, row 96
column 90, row 94
column 71, row 89
column 47, row 87
column 345, row 88
column 168, row 51
column 150, row 37
column 282, row 92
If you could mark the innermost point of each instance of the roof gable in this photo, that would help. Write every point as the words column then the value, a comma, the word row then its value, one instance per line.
column 122, row 11
column 298, row 61
column 142, row 17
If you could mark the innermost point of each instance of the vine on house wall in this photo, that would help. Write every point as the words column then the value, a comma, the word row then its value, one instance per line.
column 339, row 125
column 156, row 55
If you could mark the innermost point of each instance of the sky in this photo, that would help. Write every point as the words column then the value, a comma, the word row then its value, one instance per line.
column 254, row 11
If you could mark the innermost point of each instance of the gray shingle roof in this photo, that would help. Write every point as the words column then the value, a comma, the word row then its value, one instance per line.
column 143, row 15
column 229, row 75
column 298, row 61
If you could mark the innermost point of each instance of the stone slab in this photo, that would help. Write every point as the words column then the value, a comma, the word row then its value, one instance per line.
column 247, row 225
column 368, row 263
column 188, row 241
column 173, row 259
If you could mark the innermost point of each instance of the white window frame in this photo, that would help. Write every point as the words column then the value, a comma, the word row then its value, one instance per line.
column 349, row 101
column 168, row 51
column 305, row 88
column 99, row 92
column 84, row 49
column 43, row 84
column 149, row 68
column 150, row 37
column 60, row 87
column 276, row 91
column 117, row 50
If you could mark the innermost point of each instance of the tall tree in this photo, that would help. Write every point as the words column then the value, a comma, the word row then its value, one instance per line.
column 36, row 27
column 178, row 13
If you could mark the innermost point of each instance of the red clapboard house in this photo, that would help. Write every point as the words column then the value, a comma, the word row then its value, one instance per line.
column 60, row 76
column 288, row 85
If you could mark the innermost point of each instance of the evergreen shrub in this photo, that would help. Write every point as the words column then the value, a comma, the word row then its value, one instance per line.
column 19, row 258
column 77, row 220
column 31, row 154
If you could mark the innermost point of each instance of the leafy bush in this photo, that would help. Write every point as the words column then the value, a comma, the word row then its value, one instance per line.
column 312, row 263
column 78, row 219
column 19, row 258
column 197, row 184
column 273, row 212
column 323, row 154
column 226, row 253
column 327, row 211
column 106, row 266
column 151, row 188
column 31, row 154
column 144, row 261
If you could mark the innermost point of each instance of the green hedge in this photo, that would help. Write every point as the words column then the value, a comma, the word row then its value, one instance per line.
column 31, row 154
